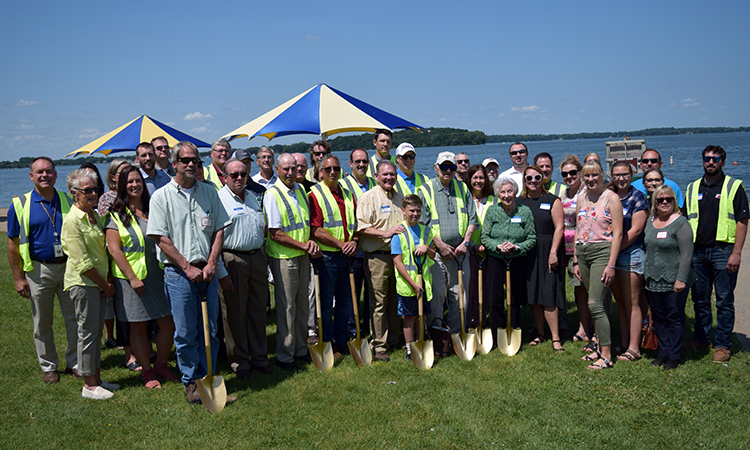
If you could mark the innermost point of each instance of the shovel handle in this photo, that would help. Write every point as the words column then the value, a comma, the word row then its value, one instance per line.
column 507, row 292
column 421, row 307
column 355, row 301
column 206, row 336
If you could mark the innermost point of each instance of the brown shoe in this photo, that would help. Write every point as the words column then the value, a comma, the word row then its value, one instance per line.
column 191, row 394
column 721, row 355
column 382, row 356
column 51, row 377
column 74, row 372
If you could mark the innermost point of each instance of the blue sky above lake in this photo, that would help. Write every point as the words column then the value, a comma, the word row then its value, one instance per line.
column 73, row 71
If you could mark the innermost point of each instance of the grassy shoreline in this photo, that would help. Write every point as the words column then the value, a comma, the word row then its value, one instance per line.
column 536, row 399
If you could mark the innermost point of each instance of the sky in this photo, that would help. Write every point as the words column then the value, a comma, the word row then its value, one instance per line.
column 73, row 71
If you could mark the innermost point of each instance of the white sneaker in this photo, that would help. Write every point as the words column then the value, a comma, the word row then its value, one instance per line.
column 110, row 386
column 99, row 393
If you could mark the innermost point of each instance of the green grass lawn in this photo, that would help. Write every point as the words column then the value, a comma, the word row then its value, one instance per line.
column 536, row 399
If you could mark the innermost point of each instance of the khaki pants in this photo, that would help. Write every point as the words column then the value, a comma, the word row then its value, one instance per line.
column 445, row 290
column 291, row 282
column 89, row 308
column 386, row 323
column 244, row 310
column 46, row 280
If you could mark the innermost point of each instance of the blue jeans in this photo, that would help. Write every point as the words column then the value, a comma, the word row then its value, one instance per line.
column 710, row 265
column 185, row 300
column 334, row 282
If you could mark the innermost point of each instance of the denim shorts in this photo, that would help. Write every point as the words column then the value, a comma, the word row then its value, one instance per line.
column 408, row 306
column 631, row 259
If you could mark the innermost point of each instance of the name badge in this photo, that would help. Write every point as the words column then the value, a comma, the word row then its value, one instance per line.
column 700, row 196
column 240, row 210
column 59, row 251
column 545, row 206
column 624, row 211
column 661, row 235
column 516, row 219
column 582, row 213
column 207, row 222
column 718, row 195
column 385, row 209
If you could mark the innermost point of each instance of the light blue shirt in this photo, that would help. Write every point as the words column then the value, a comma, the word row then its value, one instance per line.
column 248, row 222
column 152, row 184
column 638, row 184
column 411, row 182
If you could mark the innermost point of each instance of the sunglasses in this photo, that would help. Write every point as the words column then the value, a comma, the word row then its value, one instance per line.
column 712, row 158
column 319, row 153
column 162, row 147
column 187, row 161
column 359, row 161
column 87, row 191
column 649, row 160
column 448, row 167
column 462, row 161
column 572, row 173
column 621, row 176
column 408, row 157
column 530, row 178
column 665, row 200
column 332, row 169
column 517, row 152
column 652, row 180
column 237, row 174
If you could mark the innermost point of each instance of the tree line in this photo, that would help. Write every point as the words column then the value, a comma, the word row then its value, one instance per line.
column 666, row 131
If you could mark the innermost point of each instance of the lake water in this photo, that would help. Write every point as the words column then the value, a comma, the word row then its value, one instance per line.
column 685, row 150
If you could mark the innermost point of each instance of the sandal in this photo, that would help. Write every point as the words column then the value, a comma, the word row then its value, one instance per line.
column 592, row 346
column 134, row 366
column 578, row 338
column 162, row 369
column 557, row 350
column 537, row 340
column 149, row 379
column 629, row 355
column 595, row 356
column 607, row 365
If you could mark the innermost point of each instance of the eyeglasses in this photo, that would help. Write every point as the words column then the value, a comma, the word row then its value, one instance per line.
column 712, row 158
column 652, row 180
column 665, row 200
column 408, row 157
column 319, row 153
column 237, row 174
column 336, row 169
column 448, row 167
column 493, row 169
column 162, row 147
column 264, row 157
column 571, row 173
column 87, row 191
column 530, row 178
column 221, row 150
column 462, row 161
column 621, row 176
column 649, row 160
column 187, row 161
column 517, row 152
column 359, row 161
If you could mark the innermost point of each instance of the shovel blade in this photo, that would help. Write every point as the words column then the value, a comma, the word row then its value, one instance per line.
column 509, row 340
column 213, row 393
column 322, row 355
column 422, row 353
column 484, row 341
column 465, row 346
column 360, row 351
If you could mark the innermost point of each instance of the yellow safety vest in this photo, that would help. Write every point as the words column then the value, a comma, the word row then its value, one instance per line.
column 401, row 186
column 210, row 174
column 476, row 236
column 295, row 226
column 332, row 221
column 372, row 168
column 22, row 208
column 556, row 188
column 408, row 246
column 352, row 185
column 458, row 189
column 726, row 227
column 133, row 246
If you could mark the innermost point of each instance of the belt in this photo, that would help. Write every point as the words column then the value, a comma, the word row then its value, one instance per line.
column 242, row 252
column 62, row 260
column 197, row 265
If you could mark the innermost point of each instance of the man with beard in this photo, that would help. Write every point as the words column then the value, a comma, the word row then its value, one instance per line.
column 146, row 159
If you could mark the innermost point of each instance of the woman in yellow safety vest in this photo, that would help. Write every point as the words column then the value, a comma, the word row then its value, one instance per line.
column 139, row 281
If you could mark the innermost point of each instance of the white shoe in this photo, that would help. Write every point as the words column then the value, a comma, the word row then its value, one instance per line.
column 99, row 393
column 110, row 386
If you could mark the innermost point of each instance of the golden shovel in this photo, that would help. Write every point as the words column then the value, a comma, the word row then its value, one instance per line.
column 464, row 344
column 422, row 352
column 321, row 353
column 211, row 389
column 484, row 336
column 508, row 338
column 359, row 348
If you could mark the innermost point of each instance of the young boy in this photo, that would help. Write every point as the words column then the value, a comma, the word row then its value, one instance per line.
column 409, row 249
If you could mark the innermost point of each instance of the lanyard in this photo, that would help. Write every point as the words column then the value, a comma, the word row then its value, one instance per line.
column 51, row 219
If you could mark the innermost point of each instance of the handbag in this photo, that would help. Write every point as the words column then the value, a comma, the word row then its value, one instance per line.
column 650, row 341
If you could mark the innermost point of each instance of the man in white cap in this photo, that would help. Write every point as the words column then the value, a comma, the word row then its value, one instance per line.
column 493, row 168
column 519, row 155
column 408, row 180
column 447, row 206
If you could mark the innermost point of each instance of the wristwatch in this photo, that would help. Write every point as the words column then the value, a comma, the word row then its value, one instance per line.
column 466, row 244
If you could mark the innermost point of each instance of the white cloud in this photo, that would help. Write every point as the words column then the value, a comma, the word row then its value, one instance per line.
column 311, row 39
column 501, row 115
column 27, row 103
column 525, row 108
column 528, row 116
column 582, row 110
column 89, row 133
column 26, row 126
column 197, row 115
column 688, row 102
column 606, row 118
column 199, row 130
column 443, row 119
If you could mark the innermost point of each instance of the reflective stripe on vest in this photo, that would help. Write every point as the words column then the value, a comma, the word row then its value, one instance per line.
column 296, row 227
column 556, row 189
column 458, row 190
column 476, row 237
column 210, row 174
column 372, row 168
column 352, row 185
column 726, row 227
column 408, row 246
column 23, row 204
column 401, row 186
column 133, row 246
column 332, row 220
